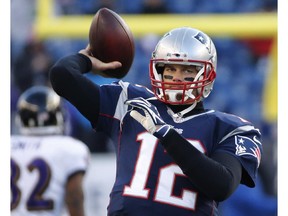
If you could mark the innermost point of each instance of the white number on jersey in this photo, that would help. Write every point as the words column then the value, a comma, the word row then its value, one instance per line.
column 166, row 176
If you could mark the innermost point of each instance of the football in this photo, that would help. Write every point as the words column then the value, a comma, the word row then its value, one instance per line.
column 111, row 39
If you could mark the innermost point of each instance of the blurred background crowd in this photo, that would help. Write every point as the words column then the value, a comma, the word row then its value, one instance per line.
column 243, row 73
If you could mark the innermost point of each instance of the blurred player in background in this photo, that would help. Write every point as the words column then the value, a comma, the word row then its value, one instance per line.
column 47, row 167
column 173, row 156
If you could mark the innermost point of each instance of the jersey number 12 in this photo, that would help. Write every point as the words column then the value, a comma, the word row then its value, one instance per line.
column 166, row 177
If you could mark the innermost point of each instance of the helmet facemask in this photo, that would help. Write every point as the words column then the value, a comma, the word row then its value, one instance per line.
column 186, row 92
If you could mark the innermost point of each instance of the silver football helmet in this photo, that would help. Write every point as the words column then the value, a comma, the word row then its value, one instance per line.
column 39, row 112
column 185, row 46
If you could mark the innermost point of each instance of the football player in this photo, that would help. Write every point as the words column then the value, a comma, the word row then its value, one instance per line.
column 47, row 167
column 174, row 157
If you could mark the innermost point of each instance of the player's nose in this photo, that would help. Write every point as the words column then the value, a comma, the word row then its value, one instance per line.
column 177, row 77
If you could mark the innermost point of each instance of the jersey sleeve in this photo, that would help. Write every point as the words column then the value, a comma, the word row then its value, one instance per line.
column 113, row 107
column 68, row 80
column 75, row 156
column 243, row 142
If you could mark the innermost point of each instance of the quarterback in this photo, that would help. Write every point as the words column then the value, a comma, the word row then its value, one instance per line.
column 174, row 157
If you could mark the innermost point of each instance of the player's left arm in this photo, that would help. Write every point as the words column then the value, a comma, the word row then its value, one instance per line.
column 217, row 176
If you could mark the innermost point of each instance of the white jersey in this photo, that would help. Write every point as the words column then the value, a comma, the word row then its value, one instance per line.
column 40, row 168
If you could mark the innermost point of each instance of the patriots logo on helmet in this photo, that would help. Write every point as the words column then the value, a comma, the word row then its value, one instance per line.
column 247, row 146
column 204, row 40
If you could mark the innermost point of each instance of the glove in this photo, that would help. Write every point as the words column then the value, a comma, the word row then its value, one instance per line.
column 151, row 120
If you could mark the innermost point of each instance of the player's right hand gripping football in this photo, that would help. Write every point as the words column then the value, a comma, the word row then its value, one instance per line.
column 97, row 65
column 151, row 120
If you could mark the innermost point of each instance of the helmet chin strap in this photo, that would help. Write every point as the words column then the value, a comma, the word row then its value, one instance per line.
column 176, row 95
column 177, row 117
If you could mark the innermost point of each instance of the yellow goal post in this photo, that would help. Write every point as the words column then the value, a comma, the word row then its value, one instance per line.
column 239, row 25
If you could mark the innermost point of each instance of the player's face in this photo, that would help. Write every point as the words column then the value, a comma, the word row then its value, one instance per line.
column 174, row 75
column 178, row 73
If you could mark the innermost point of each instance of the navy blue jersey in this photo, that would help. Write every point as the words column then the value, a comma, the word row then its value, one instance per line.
column 148, row 182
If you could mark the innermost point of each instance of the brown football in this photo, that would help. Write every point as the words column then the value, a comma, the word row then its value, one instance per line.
column 111, row 39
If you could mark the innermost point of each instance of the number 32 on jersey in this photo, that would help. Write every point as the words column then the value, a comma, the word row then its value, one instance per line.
column 166, row 176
